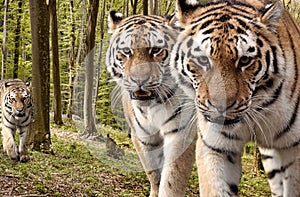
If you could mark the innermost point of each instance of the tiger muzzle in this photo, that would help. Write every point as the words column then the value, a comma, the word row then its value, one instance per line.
column 142, row 95
column 222, row 120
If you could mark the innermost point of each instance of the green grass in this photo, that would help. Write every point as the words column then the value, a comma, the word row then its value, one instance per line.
column 83, row 168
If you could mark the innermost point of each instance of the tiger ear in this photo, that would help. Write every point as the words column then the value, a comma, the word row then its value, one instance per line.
column 114, row 18
column 7, row 84
column 184, row 8
column 28, row 84
column 271, row 15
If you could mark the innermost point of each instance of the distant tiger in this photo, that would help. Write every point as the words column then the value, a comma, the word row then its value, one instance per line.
column 240, row 61
column 16, row 106
column 161, row 123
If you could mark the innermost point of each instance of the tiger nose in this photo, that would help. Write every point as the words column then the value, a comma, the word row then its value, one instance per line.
column 219, row 107
column 19, row 110
column 140, row 81
column 140, row 74
column 223, row 106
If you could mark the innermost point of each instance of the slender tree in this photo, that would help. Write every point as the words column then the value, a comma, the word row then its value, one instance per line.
column 78, row 57
column 17, row 40
column 156, row 7
column 72, row 66
column 145, row 7
column 134, row 6
column 89, row 121
column 55, row 65
column 98, row 67
column 39, row 20
column 4, row 43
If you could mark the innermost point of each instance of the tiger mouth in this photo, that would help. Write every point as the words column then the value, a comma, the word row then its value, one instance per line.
column 142, row 95
column 223, row 120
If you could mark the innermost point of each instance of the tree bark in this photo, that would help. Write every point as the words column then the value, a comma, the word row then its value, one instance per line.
column 89, row 121
column 39, row 20
column 55, row 65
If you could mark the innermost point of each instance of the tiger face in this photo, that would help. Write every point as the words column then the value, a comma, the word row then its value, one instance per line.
column 230, row 60
column 16, row 98
column 19, row 99
column 138, row 56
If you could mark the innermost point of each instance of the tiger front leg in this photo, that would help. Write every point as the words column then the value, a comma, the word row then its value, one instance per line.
column 22, row 146
column 290, row 169
column 9, row 145
column 272, row 165
column 219, row 171
column 151, row 157
column 179, row 159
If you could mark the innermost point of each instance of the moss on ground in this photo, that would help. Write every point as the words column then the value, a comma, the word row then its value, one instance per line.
column 80, row 168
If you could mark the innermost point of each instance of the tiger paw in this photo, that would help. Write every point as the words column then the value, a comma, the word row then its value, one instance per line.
column 13, row 153
column 24, row 158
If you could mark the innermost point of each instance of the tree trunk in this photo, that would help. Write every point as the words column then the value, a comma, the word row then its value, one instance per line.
column 55, row 65
column 78, row 57
column 98, row 70
column 4, row 43
column 17, row 40
column 72, row 67
column 134, row 6
column 89, row 121
column 151, row 9
column 39, row 20
column 145, row 7
column 156, row 10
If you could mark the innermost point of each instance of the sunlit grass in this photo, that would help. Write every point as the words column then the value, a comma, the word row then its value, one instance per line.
column 83, row 168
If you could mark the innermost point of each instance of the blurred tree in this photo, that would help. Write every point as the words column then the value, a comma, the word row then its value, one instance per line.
column 89, row 123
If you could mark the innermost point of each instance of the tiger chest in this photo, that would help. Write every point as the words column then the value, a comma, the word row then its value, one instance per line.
column 152, row 120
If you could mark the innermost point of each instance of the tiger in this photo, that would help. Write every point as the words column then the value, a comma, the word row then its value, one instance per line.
column 239, row 62
column 162, row 128
column 16, row 104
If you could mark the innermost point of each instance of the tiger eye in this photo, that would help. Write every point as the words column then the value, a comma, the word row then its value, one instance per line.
column 126, row 51
column 245, row 61
column 203, row 61
column 155, row 50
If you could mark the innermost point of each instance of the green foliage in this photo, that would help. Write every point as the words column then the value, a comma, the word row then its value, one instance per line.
column 24, row 72
column 293, row 6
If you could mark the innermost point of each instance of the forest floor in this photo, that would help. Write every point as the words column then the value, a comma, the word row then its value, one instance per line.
column 84, row 168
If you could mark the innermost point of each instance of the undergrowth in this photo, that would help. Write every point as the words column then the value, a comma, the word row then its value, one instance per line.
column 83, row 168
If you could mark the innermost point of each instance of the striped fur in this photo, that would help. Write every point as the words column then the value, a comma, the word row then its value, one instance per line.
column 240, row 60
column 154, row 106
column 16, row 105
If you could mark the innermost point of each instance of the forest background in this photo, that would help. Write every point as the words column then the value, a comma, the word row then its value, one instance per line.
column 60, row 47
